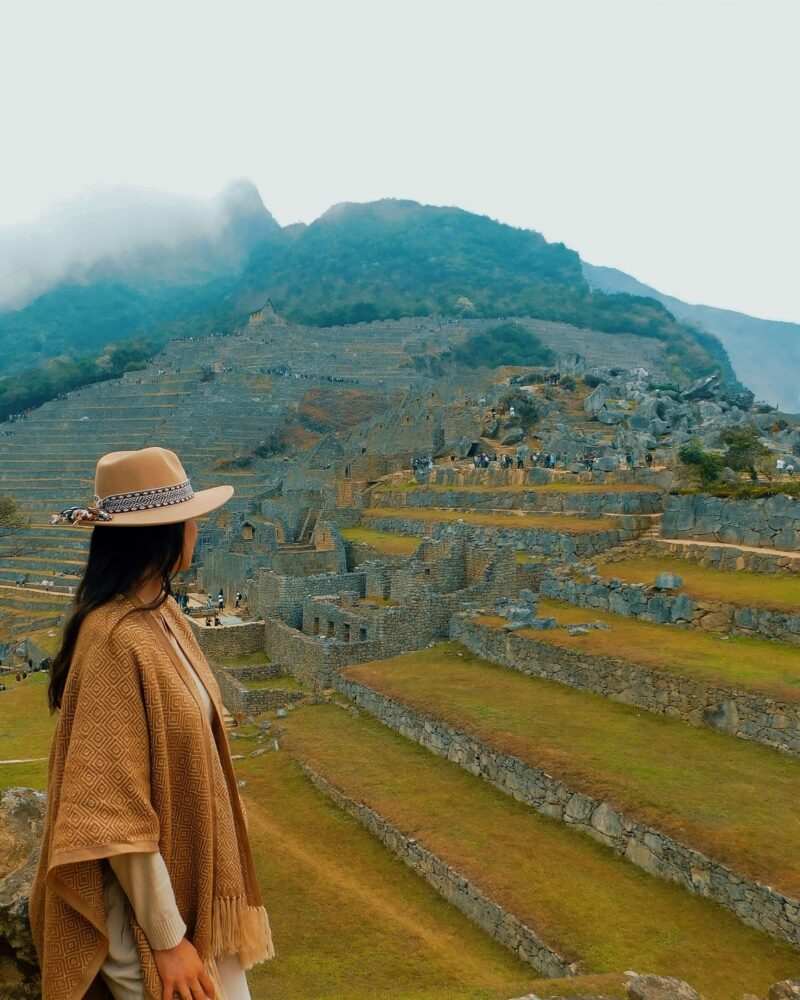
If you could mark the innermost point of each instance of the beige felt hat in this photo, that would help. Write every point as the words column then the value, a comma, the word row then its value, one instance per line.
column 148, row 486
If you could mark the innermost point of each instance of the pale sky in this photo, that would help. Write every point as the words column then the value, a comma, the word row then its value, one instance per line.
column 657, row 136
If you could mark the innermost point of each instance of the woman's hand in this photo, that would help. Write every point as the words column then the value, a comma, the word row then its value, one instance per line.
column 182, row 971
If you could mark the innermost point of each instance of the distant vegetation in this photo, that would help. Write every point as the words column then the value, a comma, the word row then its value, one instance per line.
column 503, row 344
column 35, row 386
column 10, row 514
column 356, row 263
column 744, row 453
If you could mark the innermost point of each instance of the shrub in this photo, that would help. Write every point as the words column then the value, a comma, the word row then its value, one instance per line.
column 502, row 344
column 703, row 466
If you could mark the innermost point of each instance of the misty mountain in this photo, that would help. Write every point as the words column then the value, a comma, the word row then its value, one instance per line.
column 765, row 353
column 125, row 265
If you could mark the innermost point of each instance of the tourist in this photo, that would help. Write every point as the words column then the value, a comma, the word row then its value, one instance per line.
column 237, row 600
column 780, row 465
column 220, row 602
column 520, row 460
column 210, row 602
column 134, row 724
column 216, row 620
column 649, row 460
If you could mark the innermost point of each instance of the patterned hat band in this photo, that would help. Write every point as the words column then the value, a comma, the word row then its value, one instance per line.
column 163, row 496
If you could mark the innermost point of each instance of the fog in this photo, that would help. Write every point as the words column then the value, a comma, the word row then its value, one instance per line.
column 108, row 224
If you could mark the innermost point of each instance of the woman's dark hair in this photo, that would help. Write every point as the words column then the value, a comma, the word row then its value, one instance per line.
column 120, row 560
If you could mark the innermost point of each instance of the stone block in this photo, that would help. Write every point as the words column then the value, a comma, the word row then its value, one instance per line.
column 660, row 988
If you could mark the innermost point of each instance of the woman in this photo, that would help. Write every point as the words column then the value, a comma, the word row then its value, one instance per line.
column 145, row 886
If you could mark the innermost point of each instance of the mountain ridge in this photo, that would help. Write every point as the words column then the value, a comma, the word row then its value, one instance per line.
column 357, row 262
column 751, row 342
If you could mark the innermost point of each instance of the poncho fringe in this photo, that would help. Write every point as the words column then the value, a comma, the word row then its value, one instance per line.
column 134, row 765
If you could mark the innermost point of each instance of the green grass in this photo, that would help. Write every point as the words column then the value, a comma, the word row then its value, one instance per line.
column 287, row 683
column 350, row 921
column 563, row 524
column 733, row 800
column 25, row 721
column 577, row 894
column 387, row 543
column 756, row 590
column 245, row 660
column 757, row 665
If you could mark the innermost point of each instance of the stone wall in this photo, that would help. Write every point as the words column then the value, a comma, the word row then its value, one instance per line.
column 765, row 523
column 550, row 543
column 274, row 595
column 755, row 904
column 228, row 641
column 314, row 661
column 746, row 714
column 451, row 884
column 728, row 558
column 550, row 501
column 646, row 604
column 239, row 698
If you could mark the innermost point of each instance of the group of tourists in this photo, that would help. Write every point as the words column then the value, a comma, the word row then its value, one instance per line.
column 782, row 467
column 422, row 464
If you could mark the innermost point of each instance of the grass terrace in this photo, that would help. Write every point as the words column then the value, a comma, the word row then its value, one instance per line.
column 556, row 486
column 775, row 592
column 387, row 543
column 349, row 919
column 731, row 799
column 26, row 729
column 560, row 523
column 759, row 665
column 287, row 683
column 583, row 900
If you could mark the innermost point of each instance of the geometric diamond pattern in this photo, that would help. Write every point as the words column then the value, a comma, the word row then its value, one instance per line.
column 134, row 762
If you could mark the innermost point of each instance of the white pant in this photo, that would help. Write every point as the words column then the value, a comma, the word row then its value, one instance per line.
column 122, row 971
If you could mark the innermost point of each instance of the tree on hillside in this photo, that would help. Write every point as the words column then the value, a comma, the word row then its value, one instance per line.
column 745, row 452
column 10, row 514
column 704, row 467
column 502, row 344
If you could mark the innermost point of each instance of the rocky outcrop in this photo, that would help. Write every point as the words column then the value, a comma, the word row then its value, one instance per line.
column 21, row 827
column 660, row 988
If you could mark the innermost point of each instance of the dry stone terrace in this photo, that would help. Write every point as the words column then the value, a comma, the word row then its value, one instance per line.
column 506, row 563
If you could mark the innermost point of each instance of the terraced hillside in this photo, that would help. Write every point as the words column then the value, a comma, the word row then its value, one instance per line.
column 566, row 698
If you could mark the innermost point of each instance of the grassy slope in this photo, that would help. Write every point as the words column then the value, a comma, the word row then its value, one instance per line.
column 759, row 665
column 348, row 919
column 757, row 590
column 577, row 894
column 544, row 522
column 25, row 731
column 387, row 543
column 733, row 800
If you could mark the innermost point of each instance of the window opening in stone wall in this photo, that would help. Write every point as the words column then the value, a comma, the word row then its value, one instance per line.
column 316, row 626
column 362, row 634
column 346, row 632
column 331, row 628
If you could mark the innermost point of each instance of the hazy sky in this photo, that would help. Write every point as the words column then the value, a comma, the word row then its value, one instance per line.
column 657, row 136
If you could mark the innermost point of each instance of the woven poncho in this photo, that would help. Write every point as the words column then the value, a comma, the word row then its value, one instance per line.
column 134, row 766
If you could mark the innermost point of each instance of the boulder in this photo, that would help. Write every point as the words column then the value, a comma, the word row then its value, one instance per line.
column 668, row 581
column 787, row 989
column 21, row 826
column 660, row 988
column 596, row 400
column 704, row 388
column 609, row 417
column 513, row 435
